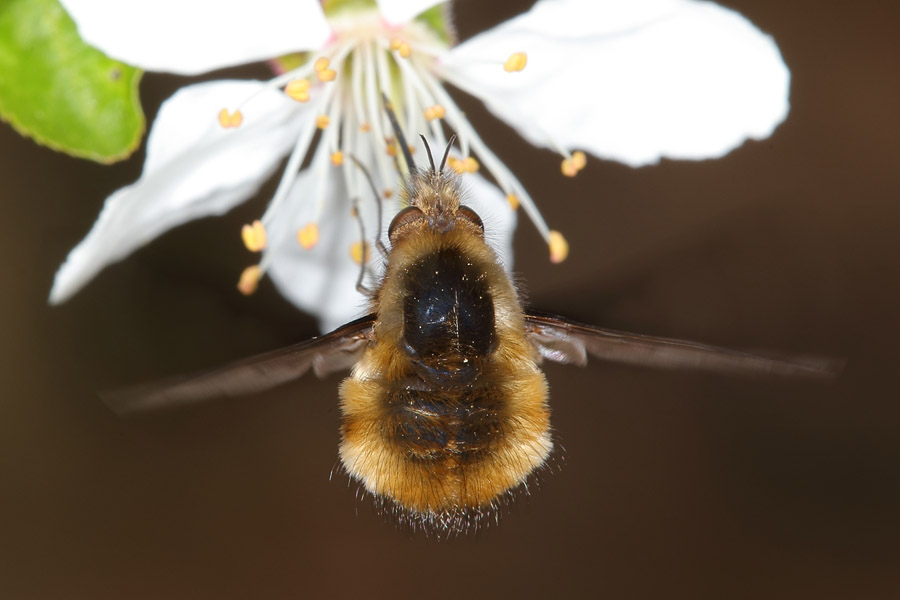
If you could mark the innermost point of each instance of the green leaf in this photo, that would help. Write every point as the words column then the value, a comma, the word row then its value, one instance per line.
column 61, row 92
column 438, row 19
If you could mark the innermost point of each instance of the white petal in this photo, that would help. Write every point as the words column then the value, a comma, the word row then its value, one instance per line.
column 321, row 280
column 631, row 80
column 195, row 36
column 194, row 168
column 398, row 12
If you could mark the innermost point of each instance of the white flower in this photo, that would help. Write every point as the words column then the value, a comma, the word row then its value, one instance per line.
column 626, row 80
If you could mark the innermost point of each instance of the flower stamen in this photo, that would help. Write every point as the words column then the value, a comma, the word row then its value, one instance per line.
column 465, row 165
column 254, row 236
column 296, row 159
column 573, row 164
column 410, row 69
column 400, row 47
column 515, row 62
column 230, row 120
column 354, row 104
column 373, row 102
column 436, row 111
column 501, row 173
column 298, row 90
column 559, row 247
column 249, row 280
column 322, row 70
column 308, row 236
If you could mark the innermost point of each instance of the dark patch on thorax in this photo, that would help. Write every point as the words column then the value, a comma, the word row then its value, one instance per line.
column 448, row 317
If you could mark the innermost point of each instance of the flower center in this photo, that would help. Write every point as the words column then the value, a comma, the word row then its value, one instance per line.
column 344, row 85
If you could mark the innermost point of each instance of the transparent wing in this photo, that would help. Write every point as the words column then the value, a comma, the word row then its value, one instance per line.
column 565, row 342
column 334, row 351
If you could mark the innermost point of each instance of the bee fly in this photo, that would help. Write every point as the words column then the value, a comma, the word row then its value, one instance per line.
column 445, row 411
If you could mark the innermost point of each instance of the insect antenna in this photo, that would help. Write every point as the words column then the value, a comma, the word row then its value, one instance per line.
column 428, row 150
column 447, row 151
column 378, row 243
column 398, row 133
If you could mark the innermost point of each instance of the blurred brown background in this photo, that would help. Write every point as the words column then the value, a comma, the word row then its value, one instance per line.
column 672, row 485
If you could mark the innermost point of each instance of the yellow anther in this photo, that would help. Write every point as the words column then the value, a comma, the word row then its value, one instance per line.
column 579, row 159
column 466, row 165
column 337, row 158
column 322, row 121
column 391, row 149
column 365, row 127
column 321, row 64
column 249, row 280
column 388, row 193
column 308, row 236
column 559, row 247
column 359, row 251
column 298, row 90
column 515, row 62
column 570, row 166
column 401, row 47
column 327, row 74
column 435, row 112
column 254, row 236
column 513, row 201
column 230, row 119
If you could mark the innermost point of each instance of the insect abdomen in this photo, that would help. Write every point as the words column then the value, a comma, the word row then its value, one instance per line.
column 445, row 457
column 442, row 427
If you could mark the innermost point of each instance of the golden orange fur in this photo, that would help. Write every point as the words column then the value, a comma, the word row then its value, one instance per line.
column 500, row 422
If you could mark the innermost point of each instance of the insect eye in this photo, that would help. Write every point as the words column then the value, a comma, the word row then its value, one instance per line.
column 408, row 215
column 470, row 215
